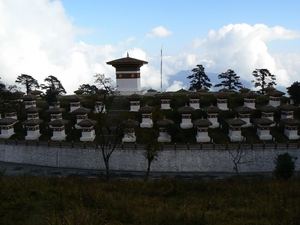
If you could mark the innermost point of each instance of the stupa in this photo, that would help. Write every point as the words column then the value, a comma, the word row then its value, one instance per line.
column 128, row 75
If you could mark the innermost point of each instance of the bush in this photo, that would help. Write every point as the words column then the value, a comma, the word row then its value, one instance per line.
column 284, row 166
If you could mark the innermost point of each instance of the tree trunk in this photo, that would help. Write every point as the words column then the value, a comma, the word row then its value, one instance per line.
column 107, row 174
column 148, row 170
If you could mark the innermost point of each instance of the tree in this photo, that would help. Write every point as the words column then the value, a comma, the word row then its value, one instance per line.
column 53, row 89
column 110, row 125
column 149, row 137
column 230, row 80
column 53, row 84
column 284, row 166
column 238, row 156
column 28, row 81
column 50, row 96
column 263, row 79
column 88, row 89
column 109, row 133
column 9, row 96
column 294, row 92
column 199, row 80
column 105, row 83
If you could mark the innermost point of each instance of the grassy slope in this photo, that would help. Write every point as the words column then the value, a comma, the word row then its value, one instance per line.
column 38, row 200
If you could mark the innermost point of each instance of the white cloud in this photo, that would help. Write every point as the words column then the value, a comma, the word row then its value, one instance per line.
column 177, row 85
column 159, row 31
column 37, row 38
column 244, row 48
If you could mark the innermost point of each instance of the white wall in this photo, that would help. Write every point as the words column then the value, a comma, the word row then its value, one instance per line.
column 258, row 160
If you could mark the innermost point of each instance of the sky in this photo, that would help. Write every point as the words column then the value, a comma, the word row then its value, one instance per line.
column 73, row 40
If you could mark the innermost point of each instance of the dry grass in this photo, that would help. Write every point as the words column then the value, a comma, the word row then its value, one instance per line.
column 39, row 200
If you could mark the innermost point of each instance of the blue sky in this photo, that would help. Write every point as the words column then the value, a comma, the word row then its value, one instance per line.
column 115, row 21
column 73, row 40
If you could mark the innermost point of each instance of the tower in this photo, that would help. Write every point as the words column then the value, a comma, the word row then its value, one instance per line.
column 128, row 75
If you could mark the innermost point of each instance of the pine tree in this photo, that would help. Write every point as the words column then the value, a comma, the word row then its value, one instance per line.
column 28, row 81
column 199, row 79
column 230, row 80
column 53, row 84
column 53, row 88
column 263, row 79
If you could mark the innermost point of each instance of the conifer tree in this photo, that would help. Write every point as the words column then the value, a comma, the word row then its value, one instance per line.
column 230, row 80
column 28, row 81
column 294, row 92
column 53, row 88
column 263, row 79
column 8, row 96
column 88, row 89
column 199, row 79
column 53, row 84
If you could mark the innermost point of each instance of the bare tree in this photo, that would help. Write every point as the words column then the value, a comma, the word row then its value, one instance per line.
column 149, row 137
column 105, row 83
column 110, row 125
column 109, row 133
column 239, row 157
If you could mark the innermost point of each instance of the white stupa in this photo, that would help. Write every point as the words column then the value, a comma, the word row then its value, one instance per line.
column 128, row 75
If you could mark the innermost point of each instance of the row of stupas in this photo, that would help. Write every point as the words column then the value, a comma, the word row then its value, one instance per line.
column 86, row 125
column 56, row 123
column 242, row 120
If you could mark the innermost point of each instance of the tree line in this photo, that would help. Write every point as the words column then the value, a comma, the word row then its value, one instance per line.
column 263, row 79
column 53, row 88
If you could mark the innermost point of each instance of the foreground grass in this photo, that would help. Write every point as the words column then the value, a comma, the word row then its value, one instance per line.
column 39, row 200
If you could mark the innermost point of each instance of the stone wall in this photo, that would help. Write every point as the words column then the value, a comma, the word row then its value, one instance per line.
column 253, row 160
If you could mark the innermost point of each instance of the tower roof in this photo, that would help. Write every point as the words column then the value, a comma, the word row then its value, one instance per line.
column 186, row 109
column 81, row 111
column 202, row 122
column 32, row 122
column 263, row 121
column 146, row 109
column 126, row 61
column 243, row 109
column 164, row 122
column 235, row 122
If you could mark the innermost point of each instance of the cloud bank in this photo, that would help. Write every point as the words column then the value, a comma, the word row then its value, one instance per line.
column 244, row 48
column 37, row 38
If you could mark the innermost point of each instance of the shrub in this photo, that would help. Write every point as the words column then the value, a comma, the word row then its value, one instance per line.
column 284, row 166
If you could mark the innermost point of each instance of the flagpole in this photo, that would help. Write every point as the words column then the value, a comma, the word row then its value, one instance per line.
column 161, row 69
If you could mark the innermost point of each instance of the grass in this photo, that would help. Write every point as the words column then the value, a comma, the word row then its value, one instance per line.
column 39, row 200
